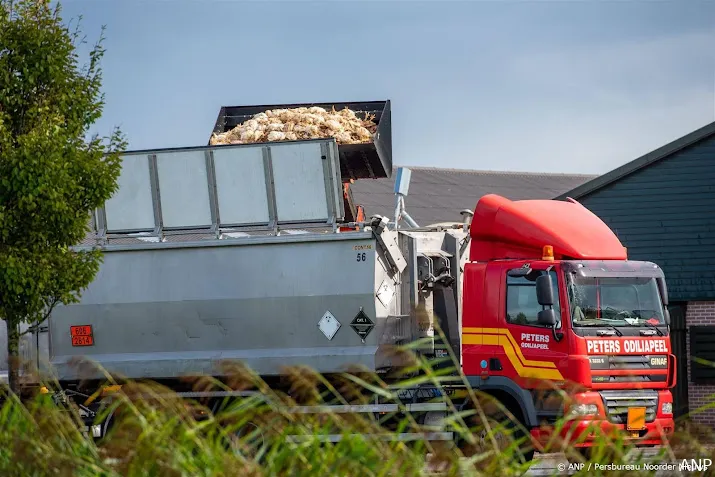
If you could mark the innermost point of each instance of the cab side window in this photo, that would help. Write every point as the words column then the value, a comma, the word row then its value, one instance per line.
column 522, row 307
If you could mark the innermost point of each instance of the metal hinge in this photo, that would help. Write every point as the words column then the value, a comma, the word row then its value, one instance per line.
column 38, row 329
column 389, row 245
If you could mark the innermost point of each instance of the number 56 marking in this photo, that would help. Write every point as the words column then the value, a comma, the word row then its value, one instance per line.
column 361, row 257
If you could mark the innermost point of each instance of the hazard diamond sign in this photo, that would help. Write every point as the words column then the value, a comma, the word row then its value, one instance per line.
column 362, row 325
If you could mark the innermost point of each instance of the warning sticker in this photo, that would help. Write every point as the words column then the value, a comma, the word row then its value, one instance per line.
column 82, row 335
column 362, row 325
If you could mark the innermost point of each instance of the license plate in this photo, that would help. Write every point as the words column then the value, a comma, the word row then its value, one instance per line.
column 636, row 419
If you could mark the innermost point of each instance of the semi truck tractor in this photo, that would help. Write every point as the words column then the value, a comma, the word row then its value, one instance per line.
column 249, row 252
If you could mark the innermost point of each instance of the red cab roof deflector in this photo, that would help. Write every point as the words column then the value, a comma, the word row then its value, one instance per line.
column 505, row 229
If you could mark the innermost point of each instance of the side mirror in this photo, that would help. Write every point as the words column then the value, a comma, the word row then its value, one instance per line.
column 547, row 317
column 666, row 316
column 544, row 290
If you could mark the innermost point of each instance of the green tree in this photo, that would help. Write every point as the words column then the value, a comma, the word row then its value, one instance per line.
column 52, row 173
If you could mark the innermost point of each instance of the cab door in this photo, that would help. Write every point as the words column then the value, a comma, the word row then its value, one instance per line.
column 534, row 352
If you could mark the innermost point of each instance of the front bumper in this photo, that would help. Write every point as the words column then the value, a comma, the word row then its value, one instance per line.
column 609, row 422
column 583, row 433
column 586, row 432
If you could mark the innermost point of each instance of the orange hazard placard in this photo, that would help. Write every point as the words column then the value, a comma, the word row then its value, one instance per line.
column 636, row 418
column 82, row 335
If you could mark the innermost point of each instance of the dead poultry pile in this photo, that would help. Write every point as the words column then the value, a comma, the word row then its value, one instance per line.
column 301, row 123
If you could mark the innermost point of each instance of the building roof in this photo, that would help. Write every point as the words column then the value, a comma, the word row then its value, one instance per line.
column 643, row 161
column 438, row 195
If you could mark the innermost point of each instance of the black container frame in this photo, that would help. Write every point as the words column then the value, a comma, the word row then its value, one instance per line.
column 371, row 160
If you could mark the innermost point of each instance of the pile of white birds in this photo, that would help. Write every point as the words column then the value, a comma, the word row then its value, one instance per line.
column 301, row 123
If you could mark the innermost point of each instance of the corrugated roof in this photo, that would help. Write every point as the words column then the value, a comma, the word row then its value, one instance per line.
column 669, row 149
column 438, row 195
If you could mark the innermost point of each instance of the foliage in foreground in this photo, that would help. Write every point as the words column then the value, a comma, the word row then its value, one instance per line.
column 156, row 433
column 52, row 177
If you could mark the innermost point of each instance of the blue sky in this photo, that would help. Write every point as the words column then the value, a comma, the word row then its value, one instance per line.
column 554, row 86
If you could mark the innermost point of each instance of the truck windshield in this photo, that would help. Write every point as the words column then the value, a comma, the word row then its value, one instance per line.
column 627, row 301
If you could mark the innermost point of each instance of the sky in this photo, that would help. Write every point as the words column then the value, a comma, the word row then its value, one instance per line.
column 544, row 86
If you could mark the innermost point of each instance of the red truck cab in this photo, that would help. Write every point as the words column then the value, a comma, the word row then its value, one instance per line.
column 551, row 304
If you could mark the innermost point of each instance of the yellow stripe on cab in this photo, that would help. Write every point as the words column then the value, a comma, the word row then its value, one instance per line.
column 526, row 368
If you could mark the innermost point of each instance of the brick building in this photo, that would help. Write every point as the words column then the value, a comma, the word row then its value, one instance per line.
column 662, row 208
column 700, row 315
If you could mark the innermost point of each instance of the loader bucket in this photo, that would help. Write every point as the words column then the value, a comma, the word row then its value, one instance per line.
column 371, row 160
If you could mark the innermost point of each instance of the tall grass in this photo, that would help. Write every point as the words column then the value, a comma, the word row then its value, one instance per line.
column 154, row 432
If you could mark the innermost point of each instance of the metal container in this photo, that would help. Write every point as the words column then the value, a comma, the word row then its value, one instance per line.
column 325, row 300
column 357, row 161
column 170, row 309
column 218, row 254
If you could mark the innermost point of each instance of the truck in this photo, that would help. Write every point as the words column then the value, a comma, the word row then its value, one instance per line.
column 253, row 253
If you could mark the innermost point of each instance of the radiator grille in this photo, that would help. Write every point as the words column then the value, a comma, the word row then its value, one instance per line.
column 618, row 402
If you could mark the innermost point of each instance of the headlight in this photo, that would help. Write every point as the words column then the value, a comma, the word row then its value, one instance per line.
column 666, row 408
column 583, row 410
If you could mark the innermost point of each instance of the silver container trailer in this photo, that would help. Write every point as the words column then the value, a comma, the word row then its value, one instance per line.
column 328, row 301
column 167, row 310
column 215, row 254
